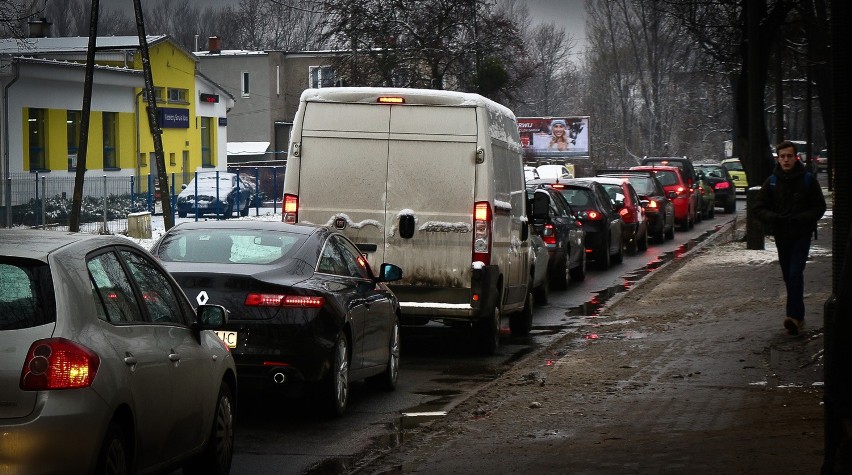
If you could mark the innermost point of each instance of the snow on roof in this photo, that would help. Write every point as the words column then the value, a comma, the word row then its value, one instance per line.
column 247, row 148
column 70, row 44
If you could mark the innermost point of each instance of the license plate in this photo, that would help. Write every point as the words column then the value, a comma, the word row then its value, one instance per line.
column 230, row 338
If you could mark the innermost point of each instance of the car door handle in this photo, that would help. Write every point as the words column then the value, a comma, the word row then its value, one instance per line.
column 130, row 360
column 174, row 357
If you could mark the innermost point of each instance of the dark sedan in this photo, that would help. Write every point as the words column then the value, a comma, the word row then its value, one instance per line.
column 305, row 305
column 216, row 193
column 556, row 223
column 593, row 208
column 722, row 183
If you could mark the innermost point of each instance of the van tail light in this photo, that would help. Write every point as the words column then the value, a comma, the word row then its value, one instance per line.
column 57, row 363
column 722, row 185
column 549, row 234
column 283, row 300
column 482, row 218
column 291, row 208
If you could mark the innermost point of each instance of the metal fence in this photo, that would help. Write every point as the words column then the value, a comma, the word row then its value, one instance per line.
column 39, row 200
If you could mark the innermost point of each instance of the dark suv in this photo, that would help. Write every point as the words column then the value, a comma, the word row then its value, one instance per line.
column 722, row 183
column 555, row 221
column 594, row 209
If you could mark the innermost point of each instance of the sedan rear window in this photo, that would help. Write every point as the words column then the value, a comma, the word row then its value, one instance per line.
column 228, row 246
column 667, row 178
column 580, row 198
column 26, row 294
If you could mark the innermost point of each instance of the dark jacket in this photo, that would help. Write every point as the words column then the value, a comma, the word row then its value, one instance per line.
column 789, row 209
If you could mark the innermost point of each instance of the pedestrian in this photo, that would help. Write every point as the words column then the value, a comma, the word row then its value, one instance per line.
column 789, row 204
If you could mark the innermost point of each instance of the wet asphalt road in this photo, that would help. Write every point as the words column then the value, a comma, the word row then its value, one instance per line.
column 438, row 369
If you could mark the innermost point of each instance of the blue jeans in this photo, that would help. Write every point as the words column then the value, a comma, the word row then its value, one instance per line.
column 792, row 255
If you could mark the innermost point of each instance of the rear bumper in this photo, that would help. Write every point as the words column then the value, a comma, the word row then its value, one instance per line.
column 470, row 303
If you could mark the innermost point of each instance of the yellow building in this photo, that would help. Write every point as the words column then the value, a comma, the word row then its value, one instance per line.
column 42, row 80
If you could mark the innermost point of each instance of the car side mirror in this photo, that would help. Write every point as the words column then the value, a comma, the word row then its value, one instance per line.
column 540, row 206
column 210, row 317
column 389, row 272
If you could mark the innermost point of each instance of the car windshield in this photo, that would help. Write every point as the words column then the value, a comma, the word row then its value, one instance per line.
column 733, row 166
column 26, row 294
column 578, row 198
column 228, row 246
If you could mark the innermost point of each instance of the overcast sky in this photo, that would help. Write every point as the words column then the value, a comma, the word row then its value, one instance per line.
column 568, row 13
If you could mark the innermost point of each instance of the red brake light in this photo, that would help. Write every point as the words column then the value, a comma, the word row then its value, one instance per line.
column 624, row 212
column 652, row 204
column 282, row 300
column 594, row 215
column 57, row 363
column 680, row 190
column 549, row 234
column 482, row 232
column 291, row 208
column 722, row 185
column 557, row 186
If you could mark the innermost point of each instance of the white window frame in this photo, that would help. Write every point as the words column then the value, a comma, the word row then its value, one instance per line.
column 245, row 84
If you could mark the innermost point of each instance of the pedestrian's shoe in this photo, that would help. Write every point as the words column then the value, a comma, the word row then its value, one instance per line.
column 793, row 326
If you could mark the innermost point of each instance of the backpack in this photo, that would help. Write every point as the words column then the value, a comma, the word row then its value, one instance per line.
column 773, row 179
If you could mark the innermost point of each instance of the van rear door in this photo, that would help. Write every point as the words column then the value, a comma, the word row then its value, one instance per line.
column 344, row 166
column 430, row 187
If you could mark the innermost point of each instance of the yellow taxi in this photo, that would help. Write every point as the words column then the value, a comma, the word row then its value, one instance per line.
column 735, row 169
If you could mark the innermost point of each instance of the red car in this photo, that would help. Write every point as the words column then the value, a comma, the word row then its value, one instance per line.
column 681, row 194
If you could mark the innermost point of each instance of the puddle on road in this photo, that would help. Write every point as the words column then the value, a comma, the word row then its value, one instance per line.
column 600, row 299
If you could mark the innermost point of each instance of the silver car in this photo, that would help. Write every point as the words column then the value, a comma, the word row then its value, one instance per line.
column 106, row 367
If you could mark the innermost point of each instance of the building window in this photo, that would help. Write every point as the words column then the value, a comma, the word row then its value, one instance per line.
column 178, row 95
column 206, row 141
column 73, row 126
column 110, row 124
column 159, row 94
column 244, row 84
column 321, row 76
column 38, row 140
column 172, row 159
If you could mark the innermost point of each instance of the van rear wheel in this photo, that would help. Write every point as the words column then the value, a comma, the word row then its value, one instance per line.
column 520, row 323
column 487, row 331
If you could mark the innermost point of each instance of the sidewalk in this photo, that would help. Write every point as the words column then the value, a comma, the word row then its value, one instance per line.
column 691, row 371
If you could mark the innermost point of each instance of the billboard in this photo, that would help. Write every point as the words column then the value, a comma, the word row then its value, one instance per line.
column 554, row 137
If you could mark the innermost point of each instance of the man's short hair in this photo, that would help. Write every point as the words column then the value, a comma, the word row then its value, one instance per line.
column 786, row 144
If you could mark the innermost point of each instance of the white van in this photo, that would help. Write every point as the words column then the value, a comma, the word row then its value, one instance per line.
column 429, row 180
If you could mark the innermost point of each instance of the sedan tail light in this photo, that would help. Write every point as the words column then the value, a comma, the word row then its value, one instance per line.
column 57, row 363
column 283, row 300
column 482, row 232
column 652, row 204
column 722, row 185
column 291, row 208
column 591, row 215
column 549, row 234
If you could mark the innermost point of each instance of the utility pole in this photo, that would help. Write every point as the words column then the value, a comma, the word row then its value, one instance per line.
column 156, row 132
column 80, row 171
